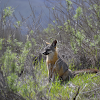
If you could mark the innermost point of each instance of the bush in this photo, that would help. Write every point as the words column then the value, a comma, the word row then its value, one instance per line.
column 76, row 27
column 77, row 31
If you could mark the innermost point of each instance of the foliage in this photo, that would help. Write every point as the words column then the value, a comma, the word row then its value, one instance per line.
column 78, row 29
column 68, row 91
column 8, row 11
column 78, row 13
column 76, row 26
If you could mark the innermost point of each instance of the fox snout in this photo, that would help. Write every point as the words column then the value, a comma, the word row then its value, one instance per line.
column 45, row 53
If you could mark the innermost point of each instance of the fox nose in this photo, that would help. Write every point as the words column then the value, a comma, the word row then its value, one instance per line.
column 44, row 53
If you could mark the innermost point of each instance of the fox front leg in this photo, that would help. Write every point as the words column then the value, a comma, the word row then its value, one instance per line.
column 50, row 72
column 50, row 75
column 53, row 77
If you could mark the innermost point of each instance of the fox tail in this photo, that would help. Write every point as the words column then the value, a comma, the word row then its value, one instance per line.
column 85, row 71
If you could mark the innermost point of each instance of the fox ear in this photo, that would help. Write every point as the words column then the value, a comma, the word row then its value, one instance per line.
column 45, row 43
column 54, row 43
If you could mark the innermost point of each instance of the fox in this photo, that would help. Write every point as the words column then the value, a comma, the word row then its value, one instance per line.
column 57, row 66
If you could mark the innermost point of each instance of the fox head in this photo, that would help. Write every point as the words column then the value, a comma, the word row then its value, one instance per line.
column 50, row 48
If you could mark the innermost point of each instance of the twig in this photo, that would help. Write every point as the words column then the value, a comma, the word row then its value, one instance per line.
column 76, row 93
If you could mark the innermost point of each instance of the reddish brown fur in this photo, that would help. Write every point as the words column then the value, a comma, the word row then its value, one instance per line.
column 52, row 61
column 85, row 71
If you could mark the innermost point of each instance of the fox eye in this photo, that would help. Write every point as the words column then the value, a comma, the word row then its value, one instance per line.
column 48, row 49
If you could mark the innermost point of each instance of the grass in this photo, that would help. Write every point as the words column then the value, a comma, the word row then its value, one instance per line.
column 56, row 90
column 28, row 88
column 86, row 82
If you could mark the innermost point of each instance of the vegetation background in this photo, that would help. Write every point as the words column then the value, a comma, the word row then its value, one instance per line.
column 23, row 73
